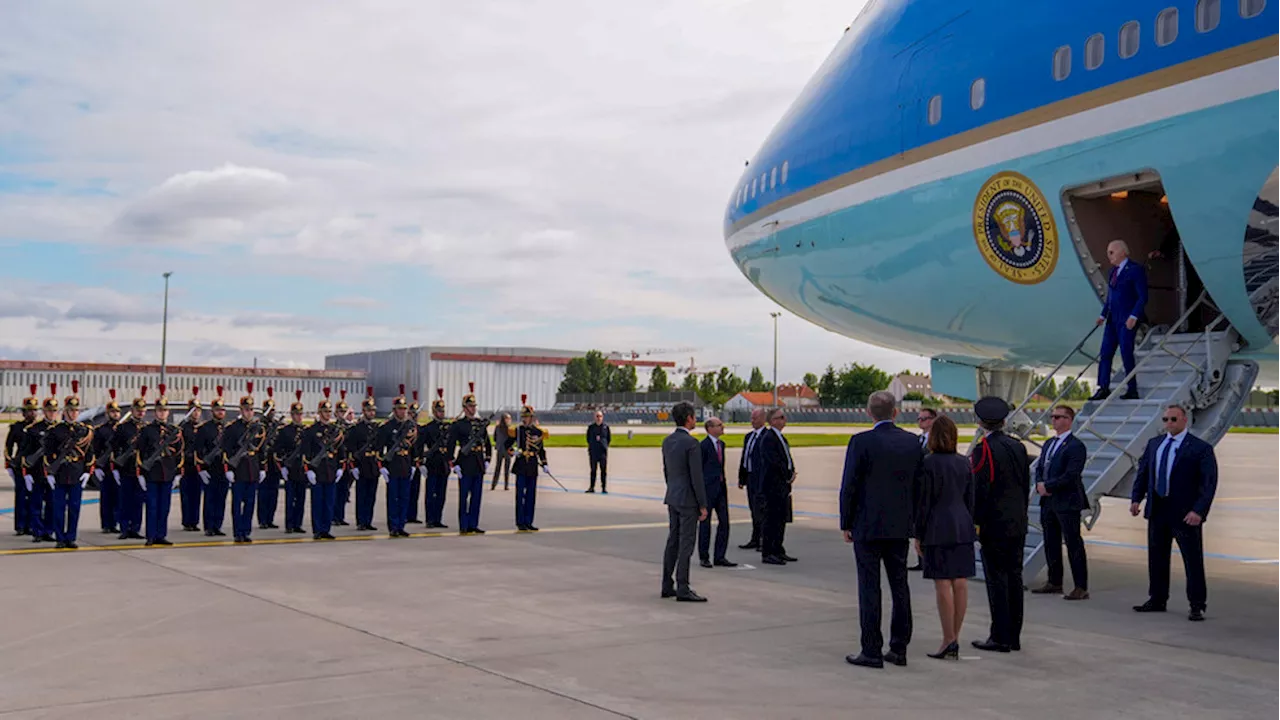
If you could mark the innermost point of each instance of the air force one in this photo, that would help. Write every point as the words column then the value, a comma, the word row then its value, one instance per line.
column 949, row 180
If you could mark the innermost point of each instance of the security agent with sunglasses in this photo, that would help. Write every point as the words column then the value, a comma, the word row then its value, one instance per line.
column 1060, row 487
column 1177, row 476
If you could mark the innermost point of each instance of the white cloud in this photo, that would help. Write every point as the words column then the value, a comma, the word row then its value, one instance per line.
column 203, row 204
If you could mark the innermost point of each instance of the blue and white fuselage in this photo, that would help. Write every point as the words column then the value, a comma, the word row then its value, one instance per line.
column 867, row 208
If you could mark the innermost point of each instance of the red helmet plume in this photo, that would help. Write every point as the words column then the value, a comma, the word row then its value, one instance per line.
column 75, row 387
column 440, row 393
column 142, row 392
column 368, row 391
column 298, row 394
column 326, row 391
column 162, row 388
column 342, row 394
column 53, row 389
column 34, row 389
column 415, row 396
column 471, row 386
column 195, row 390
column 110, row 391
column 248, row 387
column 219, row 391
column 524, row 398
column 401, row 388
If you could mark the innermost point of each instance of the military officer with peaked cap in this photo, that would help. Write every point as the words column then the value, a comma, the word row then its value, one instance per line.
column 13, row 445
column 1002, row 477
column 530, row 454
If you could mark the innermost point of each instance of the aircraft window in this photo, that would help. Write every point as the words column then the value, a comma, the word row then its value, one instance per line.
column 978, row 93
column 1208, row 13
column 753, row 186
column 1062, row 62
column 1130, row 39
column 764, row 181
column 1167, row 26
column 1095, row 49
column 935, row 109
column 785, row 164
column 1252, row 8
column 773, row 178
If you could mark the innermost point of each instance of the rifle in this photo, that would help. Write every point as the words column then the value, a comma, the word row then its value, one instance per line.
column 118, row 458
column 77, row 441
column 211, row 457
column 253, row 430
column 329, row 444
column 164, row 451
column 479, row 431
column 405, row 437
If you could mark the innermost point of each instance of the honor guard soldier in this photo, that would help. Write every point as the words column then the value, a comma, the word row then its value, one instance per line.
column 530, row 453
column 471, row 449
column 269, row 488
column 211, row 466
column 241, row 444
column 346, row 463
column 1002, row 478
column 321, row 457
column 436, row 461
column 288, row 457
column 190, row 488
column 159, row 457
column 39, row 494
column 13, row 445
column 415, row 482
column 397, row 438
column 362, row 439
column 68, row 448
column 108, row 486
column 132, row 490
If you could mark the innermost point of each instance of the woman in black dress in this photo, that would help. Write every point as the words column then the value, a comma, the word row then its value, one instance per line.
column 944, row 531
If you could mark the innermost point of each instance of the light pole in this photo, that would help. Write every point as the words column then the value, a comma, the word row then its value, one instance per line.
column 164, row 329
column 775, row 315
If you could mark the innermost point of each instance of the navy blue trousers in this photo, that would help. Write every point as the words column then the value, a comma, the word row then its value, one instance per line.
column 397, row 503
column 131, row 499
column 437, row 485
column 21, row 504
column 1114, row 335
column 470, row 488
column 526, row 499
column 66, row 511
column 415, row 492
column 39, row 507
column 367, row 498
column 341, row 494
column 215, row 502
column 243, row 497
column 190, row 488
column 295, row 503
column 322, row 500
column 108, row 502
column 268, row 498
column 159, row 499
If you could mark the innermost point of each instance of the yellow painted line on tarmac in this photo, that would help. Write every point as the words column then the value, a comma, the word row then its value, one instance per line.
column 341, row 538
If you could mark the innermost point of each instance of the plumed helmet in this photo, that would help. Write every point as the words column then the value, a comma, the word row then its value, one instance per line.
column 526, row 410
column 270, row 402
column 438, row 403
column 247, row 400
column 73, row 400
column 51, row 402
column 216, row 404
column 414, row 406
column 194, row 402
column 162, row 401
column 369, row 403
column 470, row 397
column 296, row 405
column 325, row 405
column 342, row 402
column 400, row 402
column 112, row 404
column 140, row 402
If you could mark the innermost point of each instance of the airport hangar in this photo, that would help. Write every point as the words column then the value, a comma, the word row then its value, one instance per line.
column 501, row 374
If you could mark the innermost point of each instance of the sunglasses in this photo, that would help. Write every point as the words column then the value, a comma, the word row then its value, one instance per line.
column 1173, row 418
column 1060, row 417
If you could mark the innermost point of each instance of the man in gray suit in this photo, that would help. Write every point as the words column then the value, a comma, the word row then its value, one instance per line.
column 686, row 502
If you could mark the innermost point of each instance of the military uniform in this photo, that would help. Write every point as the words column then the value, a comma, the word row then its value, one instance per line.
column 159, row 458
column 104, row 470
column 530, row 453
column 211, row 467
column 415, row 479
column 1002, row 478
column 68, row 459
column 13, row 444
column 362, row 449
column 39, row 493
column 436, row 459
column 125, row 466
column 395, row 442
column 470, row 449
column 242, row 441
column 346, row 463
column 287, row 454
column 321, row 462
column 190, row 487
column 269, row 488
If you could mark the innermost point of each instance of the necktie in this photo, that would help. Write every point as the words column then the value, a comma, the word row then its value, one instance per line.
column 924, row 440
column 751, row 442
column 719, row 452
column 1114, row 272
column 1162, row 470
column 1049, row 449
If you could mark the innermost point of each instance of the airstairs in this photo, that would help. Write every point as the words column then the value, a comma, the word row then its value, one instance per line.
column 1192, row 369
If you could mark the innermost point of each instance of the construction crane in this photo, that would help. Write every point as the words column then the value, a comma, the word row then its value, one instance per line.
column 635, row 354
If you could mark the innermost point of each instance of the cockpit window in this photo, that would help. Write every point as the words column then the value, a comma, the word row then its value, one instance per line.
column 1130, row 39
column 1252, row 8
column 935, row 109
column 1167, row 26
column 978, row 93
column 1095, row 50
column 1208, row 13
column 1062, row 62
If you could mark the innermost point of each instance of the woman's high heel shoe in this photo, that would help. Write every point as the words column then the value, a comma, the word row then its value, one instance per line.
column 950, row 652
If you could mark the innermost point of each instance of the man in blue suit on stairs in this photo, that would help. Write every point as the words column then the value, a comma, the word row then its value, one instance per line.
column 1126, row 298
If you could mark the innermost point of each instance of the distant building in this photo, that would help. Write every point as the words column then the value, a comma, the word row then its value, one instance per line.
column 905, row 384
column 501, row 374
column 797, row 396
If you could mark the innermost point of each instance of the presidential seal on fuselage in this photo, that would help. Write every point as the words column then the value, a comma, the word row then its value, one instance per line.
column 1014, row 228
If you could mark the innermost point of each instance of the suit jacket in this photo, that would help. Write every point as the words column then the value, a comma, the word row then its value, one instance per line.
column 1002, row 482
column 713, row 470
column 883, row 469
column 682, row 469
column 1126, row 293
column 774, row 464
column 598, row 439
column 1193, row 479
column 750, row 452
column 1062, row 475
column 944, row 514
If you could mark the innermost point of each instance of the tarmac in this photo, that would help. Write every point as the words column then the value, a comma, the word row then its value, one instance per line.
column 567, row 623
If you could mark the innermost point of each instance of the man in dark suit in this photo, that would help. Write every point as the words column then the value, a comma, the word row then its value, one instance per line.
column 598, row 438
column 1178, row 476
column 717, row 497
column 686, row 501
column 749, row 477
column 882, row 474
column 1002, row 483
column 777, row 472
column 1060, row 485
column 1123, row 308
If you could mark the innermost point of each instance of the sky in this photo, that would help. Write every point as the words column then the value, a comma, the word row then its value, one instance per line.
column 325, row 177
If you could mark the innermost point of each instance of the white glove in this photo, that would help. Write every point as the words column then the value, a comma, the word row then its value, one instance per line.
column 284, row 472
column 99, row 474
column 30, row 482
column 115, row 475
column 355, row 473
column 422, row 469
column 142, row 482
column 231, row 476
column 204, row 476
column 51, row 483
column 546, row 467
column 385, row 475
column 457, row 470
column 311, row 476
column 262, row 475
column 84, row 481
